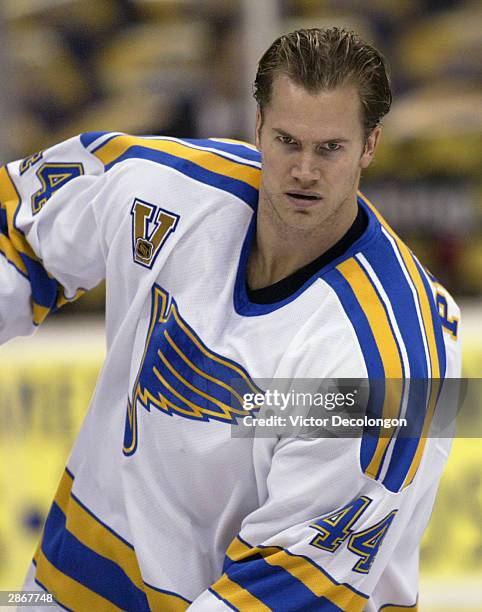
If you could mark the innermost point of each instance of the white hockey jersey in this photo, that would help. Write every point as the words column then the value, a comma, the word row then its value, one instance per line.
column 160, row 507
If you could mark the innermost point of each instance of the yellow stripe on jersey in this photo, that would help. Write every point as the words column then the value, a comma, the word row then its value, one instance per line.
column 387, row 346
column 392, row 608
column 10, row 201
column 240, row 598
column 316, row 581
column 11, row 254
column 118, row 145
column 93, row 534
column 39, row 313
column 62, row 300
column 428, row 328
column 302, row 569
column 15, row 245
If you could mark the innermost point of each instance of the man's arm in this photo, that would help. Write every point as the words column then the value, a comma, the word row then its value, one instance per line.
column 321, row 540
column 341, row 524
column 50, row 242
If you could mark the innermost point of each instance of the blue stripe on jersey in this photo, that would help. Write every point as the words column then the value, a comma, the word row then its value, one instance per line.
column 83, row 565
column 276, row 587
column 240, row 189
column 405, row 448
column 401, row 460
column 372, row 359
column 386, row 266
column 238, row 149
column 3, row 222
column 89, row 137
column 44, row 289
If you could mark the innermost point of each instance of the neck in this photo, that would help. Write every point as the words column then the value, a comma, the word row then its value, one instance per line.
column 279, row 250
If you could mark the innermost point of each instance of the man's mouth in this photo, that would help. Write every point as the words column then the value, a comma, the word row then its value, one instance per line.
column 304, row 197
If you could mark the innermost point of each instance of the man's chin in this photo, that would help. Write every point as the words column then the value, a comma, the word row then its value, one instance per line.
column 302, row 220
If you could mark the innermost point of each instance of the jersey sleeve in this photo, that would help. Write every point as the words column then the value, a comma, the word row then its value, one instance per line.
column 339, row 514
column 321, row 540
column 51, row 244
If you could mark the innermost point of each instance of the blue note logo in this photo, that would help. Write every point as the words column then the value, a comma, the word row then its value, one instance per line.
column 180, row 376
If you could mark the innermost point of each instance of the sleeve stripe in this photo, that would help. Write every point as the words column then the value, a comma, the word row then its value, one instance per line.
column 399, row 607
column 89, row 137
column 430, row 327
column 47, row 293
column 240, row 153
column 435, row 389
column 401, row 450
column 10, row 202
column 371, row 356
column 3, row 222
column 93, row 543
column 302, row 569
column 434, row 395
column 274, row 586
column 377, row 317
column 423, row 298
column 206, row 167
column 236, row 596
column 208, row 160
column 388, row 349
column 12, row 256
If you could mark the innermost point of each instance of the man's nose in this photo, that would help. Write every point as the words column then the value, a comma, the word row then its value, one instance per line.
column 306, row 169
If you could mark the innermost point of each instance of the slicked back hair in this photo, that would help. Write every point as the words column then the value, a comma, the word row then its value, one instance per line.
column 324, row 59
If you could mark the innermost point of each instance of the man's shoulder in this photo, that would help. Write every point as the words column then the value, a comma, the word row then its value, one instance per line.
column 229, row 165
column 393, row 303
column 113, row 147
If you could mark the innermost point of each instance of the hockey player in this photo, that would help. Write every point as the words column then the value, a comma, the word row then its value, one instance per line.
column 226, row 264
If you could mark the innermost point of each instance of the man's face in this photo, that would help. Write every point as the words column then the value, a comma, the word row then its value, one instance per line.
column 313, row 150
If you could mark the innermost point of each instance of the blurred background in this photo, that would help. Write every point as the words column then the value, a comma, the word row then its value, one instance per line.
column 185, row 68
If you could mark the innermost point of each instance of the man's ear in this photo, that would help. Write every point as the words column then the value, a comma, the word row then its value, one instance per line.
column 370, row 146
column 259, row 123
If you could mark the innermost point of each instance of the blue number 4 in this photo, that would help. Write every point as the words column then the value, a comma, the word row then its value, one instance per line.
column 52, row 176
column 366, row 543
column 336, row 528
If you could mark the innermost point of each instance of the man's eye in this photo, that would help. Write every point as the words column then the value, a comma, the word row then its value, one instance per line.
column 287, row 140
column 332, row 146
